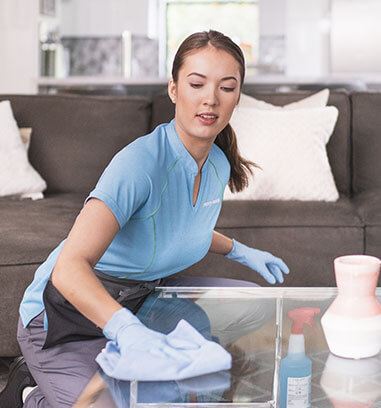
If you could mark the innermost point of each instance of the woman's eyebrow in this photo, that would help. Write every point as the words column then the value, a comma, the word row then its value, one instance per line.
column 203, row 76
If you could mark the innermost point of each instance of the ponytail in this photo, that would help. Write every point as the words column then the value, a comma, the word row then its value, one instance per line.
column 240, row 168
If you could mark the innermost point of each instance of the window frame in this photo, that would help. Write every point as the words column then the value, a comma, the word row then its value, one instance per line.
column 158, row 29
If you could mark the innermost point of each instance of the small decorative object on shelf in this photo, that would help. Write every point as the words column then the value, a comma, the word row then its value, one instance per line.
column 352, row 323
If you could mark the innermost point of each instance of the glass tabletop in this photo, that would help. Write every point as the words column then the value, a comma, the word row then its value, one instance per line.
column 253, row 326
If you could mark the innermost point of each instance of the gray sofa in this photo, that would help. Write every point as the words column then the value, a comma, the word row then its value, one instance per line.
column 74, row 137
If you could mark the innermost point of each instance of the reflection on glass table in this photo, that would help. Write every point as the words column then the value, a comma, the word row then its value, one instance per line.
column 252, row 324
column 335, row 382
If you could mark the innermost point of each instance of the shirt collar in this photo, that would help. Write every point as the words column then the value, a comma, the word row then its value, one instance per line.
column 178, row 146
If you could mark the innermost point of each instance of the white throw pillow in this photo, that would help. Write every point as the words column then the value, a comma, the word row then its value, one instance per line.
column 317, row 100
column 290, row 147
column 17, row 176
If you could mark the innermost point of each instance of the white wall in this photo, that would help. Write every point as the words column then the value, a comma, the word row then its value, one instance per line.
column 356, row 36
column 103, row 17
column 18, row 46
column 272, row 17
column 307, row 38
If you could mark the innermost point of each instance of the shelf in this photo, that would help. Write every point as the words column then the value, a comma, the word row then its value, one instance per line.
column 258, row 79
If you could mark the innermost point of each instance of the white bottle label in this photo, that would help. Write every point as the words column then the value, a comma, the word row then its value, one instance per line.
column 298, row 392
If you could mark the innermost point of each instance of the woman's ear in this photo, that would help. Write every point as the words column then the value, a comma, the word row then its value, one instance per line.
column 172, row 90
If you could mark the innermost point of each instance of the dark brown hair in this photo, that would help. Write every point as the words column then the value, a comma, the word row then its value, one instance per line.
column 226, row 139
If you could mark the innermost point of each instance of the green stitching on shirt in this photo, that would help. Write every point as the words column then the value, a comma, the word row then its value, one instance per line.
column 140, row 218
column 152, row 216
column 222, row 184
column 154, row 245
column 162, row 191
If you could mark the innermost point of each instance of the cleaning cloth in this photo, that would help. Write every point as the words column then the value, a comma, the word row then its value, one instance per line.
column 185, row 353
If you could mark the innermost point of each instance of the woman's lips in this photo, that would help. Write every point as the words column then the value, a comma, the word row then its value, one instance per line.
column 207, row 121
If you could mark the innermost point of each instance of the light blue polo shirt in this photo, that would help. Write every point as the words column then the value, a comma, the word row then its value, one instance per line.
column 148, row 186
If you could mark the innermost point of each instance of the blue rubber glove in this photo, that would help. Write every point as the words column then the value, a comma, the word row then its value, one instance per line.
column 267, row 265
column 127, row 331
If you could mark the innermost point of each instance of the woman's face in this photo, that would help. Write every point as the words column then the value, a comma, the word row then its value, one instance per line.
column 208, row 82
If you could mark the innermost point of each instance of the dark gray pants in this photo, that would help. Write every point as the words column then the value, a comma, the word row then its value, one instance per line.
column 63, row 371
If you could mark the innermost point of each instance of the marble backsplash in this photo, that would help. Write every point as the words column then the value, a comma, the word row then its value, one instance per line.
column 105, row 56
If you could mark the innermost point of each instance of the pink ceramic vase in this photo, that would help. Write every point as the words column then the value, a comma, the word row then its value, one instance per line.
column 352, row 323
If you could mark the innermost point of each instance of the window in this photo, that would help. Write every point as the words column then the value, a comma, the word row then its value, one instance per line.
column 236, row 19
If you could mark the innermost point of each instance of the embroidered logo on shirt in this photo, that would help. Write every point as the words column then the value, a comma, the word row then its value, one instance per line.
column 211, row 202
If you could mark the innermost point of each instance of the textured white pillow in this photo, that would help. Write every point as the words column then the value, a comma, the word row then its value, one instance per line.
column 290, row 147
column 317, row 100
column 17, row 176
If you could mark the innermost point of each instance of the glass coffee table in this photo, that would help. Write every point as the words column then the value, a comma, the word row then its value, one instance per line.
column 252, row 324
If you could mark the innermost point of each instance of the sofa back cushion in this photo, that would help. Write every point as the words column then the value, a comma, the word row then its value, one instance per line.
column 366, row 134
column 338, row 148
column 74, row 137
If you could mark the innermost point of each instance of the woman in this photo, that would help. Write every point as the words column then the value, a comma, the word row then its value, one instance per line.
column 151, row 214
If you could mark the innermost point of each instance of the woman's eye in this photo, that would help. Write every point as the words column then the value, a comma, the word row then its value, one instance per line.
column 224, row 88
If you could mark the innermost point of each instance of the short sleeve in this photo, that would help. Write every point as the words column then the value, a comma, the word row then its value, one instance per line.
column 123, row 186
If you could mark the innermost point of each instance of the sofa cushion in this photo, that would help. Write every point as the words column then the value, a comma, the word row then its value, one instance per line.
column 373, row 242
column 338, row 148
column 13, row 281
column 366, row 117
column 368, row 205
column 246, row 214
column 32, row 229
column 74, row 137
column 309, row 252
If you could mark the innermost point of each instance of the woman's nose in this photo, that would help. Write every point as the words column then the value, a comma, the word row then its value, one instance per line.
column 211, row 99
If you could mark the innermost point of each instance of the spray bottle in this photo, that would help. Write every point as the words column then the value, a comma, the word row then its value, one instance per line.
column 296, row 367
